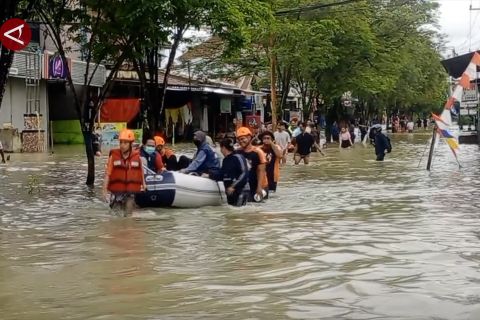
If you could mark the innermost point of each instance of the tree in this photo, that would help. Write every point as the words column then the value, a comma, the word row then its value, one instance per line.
column 226, row 19
column 380, row 51
column 109, row 26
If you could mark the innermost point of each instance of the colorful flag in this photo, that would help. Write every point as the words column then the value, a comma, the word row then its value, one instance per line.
column 444, row 121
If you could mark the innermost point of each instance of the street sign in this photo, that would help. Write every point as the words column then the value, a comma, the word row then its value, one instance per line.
column 15, row 34
column 470, row 94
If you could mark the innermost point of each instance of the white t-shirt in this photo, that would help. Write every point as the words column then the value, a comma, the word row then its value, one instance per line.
column 410, row 125
column 1, row 145
column 296, row 132
column 282, row 139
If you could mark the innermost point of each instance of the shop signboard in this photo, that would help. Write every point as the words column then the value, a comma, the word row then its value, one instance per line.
column 253, row 122
column 225, row 106
column 247, row 104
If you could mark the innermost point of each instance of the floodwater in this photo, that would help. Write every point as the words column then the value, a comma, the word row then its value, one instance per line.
column 343, row 238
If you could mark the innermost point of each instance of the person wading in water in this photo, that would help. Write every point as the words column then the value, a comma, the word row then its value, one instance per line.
column 1, row 152
column 257, row 162
column 124, row 174
column 382, row 144
column 282, row 138
column 303, row 146
column 234, row 174
column 274, row 155
column 345, row 139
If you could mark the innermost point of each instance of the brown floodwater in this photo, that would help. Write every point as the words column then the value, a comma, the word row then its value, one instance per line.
column 343, row 238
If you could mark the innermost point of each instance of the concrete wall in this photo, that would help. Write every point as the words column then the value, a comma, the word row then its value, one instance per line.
column 14, row 104
column 48, row 44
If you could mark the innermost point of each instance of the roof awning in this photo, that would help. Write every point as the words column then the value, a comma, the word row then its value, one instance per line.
column 218, row 90
column 250, row 92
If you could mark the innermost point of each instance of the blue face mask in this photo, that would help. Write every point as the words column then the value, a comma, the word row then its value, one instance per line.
column 149, row 149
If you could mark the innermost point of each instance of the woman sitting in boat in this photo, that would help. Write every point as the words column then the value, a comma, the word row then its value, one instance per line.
column 168, row 156
column 234, row 174
column 150, row 157
column 205, row 160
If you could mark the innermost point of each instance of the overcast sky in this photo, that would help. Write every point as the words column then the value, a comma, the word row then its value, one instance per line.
column 455, row 20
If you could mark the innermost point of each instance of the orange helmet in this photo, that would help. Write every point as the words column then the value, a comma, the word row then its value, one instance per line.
column 159, row 141
column 126, row 135
column 243, row 131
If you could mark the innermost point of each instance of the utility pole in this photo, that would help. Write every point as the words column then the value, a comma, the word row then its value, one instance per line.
column 471, row 9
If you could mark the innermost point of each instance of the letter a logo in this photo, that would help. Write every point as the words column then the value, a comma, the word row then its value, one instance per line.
column 15, row 34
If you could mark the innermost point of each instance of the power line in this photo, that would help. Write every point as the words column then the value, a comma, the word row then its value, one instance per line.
column 367, row 8
column 314, row 7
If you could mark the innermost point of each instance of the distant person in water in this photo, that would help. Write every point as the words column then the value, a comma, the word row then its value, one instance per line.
column 96, row 143
column 303, row 146
column 382, row 144
column 1, row 152
column 345, row 139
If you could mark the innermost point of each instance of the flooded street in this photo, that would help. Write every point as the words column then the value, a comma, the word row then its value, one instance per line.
column 343, row 238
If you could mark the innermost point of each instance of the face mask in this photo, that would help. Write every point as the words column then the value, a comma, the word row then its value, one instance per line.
column 149, row 149
column 197, row 143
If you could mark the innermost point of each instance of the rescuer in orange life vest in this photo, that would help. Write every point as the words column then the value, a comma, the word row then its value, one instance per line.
column 124, row 173
column 168, row 156
column 257, row 161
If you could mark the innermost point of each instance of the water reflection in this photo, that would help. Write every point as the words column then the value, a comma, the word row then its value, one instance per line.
column 345, row 237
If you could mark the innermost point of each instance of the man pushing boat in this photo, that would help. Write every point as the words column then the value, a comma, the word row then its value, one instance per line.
column 124, row 174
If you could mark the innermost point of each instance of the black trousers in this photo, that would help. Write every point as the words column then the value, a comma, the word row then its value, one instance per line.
column 183, row 162
column 380, row 156
column 238, row 199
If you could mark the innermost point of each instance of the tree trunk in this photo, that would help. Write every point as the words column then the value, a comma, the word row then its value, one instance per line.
column 6, row 60
column 146, row 107
column 152, row 66
column 87, row 138
column 171, row 58
column 273, row 85
column 286, row 80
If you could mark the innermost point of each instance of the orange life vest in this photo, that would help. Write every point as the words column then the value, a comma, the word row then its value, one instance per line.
column 167, row 153
column 127, row 175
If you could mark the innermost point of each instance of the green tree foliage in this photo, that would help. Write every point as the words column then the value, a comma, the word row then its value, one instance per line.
column 227, row 19
column 132, row 32
column 383, row 51
column 106, row 32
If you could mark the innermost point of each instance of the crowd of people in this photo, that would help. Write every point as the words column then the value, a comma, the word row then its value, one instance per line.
column 248, row 162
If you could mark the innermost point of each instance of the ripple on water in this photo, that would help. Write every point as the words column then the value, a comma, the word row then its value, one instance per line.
column 343, row 238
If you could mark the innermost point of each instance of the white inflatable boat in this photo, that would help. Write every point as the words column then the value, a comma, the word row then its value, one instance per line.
column 174, row 189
